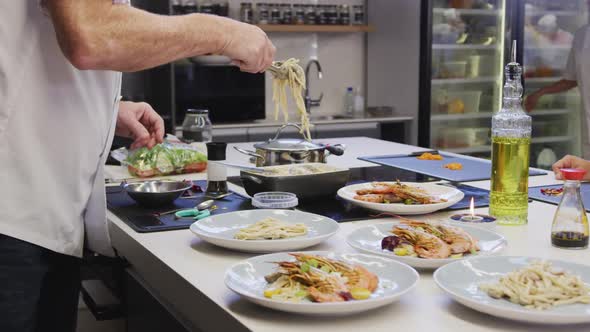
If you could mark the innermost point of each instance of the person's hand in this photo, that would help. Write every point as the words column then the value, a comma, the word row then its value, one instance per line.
column 248, row 47
column 140, row 122
column 531, row 101
column 571, row 162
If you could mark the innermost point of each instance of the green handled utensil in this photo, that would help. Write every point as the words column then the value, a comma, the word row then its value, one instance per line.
column 193, row 213
column 199, row 212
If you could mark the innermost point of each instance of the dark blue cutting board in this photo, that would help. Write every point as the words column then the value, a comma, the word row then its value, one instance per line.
column 473, row 169
column 535, row 193
column 142, row 219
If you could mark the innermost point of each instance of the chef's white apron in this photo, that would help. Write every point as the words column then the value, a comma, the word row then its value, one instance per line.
column 56, row 126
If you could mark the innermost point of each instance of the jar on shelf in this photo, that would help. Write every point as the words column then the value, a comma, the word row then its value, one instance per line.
column 275, row 14
column 263, row 13
column 310, row 15
column 358, row 15
column 197, row 126
column 286, row 14
column 321, row 14
column 190, row 6
column 246, row 12
column 222, row 9
column 207, row 8
column 344, row 15
column 299, row 14
column 332, row 14
column 177, row 7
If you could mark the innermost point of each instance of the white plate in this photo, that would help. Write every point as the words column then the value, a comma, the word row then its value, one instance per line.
column 368, row 239
column 220, row 230
column 452, row 196
column 395, row 279
column 461, row 280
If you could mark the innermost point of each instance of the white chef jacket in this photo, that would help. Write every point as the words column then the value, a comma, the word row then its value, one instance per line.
column 578, row 69
column 56, row 126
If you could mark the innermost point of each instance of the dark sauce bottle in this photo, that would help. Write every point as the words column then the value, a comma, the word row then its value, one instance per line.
column 571, row 240
column 570, row 224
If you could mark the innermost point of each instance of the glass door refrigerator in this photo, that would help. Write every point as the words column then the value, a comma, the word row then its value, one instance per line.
column 547, row 30
column 464, row 47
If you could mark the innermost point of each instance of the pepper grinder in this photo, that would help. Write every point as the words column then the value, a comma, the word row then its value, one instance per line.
column 216, row 172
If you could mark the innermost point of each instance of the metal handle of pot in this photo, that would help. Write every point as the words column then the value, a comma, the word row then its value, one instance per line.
column 250, row 153
column 336, row 149
column 278, row 134
column 251, row 178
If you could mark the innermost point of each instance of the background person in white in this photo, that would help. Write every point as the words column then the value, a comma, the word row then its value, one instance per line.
column 60, row 81
column 576, row 74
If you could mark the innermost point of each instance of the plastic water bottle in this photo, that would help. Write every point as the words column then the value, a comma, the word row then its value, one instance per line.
column 359, row 104
column 349, row 102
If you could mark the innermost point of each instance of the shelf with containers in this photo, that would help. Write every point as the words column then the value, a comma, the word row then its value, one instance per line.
column 548, row 32
column 467, row 11
column 316, row 28
column 488, row 115
column 463, row 90
column 459, row 97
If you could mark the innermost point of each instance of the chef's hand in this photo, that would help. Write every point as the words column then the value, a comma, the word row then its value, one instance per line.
column 140, row 122
column 248, row 47
column 571, row 162
column 531, row 101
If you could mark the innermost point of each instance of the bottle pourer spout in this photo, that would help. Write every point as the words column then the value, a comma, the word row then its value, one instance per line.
column 513, row 53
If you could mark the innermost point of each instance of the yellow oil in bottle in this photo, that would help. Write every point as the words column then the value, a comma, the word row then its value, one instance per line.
column 510, row 174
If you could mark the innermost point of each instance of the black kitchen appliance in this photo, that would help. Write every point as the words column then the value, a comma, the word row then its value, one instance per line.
column 229, row 94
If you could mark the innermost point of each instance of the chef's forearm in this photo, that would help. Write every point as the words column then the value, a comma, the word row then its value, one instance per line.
column 557, row 87
column 99, row 35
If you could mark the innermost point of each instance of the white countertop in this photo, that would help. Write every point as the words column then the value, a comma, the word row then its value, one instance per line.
column 187, row 273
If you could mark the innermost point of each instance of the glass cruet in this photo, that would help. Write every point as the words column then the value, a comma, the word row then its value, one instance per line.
column 197, row 126
column 570, row 224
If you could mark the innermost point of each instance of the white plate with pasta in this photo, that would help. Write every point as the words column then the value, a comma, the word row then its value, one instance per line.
column 496, row 286
column 253, row 280
column 265, row 231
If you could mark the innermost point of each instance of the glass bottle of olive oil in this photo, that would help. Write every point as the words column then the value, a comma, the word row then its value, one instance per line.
column 511, row 140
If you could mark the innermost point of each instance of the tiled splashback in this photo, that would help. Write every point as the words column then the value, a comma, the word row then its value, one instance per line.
column 342, row 56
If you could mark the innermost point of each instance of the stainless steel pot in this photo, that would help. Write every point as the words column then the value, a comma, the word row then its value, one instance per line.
column 282, row 151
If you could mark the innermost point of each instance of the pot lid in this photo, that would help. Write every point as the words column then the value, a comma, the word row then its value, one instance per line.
column 289, row 144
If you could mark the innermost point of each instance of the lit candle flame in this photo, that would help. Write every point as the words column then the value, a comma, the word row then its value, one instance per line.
column 472, row 207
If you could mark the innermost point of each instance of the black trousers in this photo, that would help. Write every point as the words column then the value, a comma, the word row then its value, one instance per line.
column 38, row 288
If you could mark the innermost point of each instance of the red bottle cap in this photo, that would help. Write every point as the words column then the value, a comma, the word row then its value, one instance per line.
column 575, row 174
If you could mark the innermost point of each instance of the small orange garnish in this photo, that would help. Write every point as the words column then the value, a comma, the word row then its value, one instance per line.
column 430, row 156
column 454, row 166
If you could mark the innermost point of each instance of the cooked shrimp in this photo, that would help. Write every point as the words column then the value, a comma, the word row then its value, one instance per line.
column 458, row 239
column 321, row 297
column 366, row 279
column 376, row 189
column 425, row 244
column 371, row 198
column 377, row 198
column 356, row 276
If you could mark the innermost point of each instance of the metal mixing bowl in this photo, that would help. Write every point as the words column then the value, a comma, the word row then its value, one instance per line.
column 156, row 193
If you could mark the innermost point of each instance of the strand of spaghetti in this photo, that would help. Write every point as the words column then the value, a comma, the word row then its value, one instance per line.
column 289, row 73
column 271, row 228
